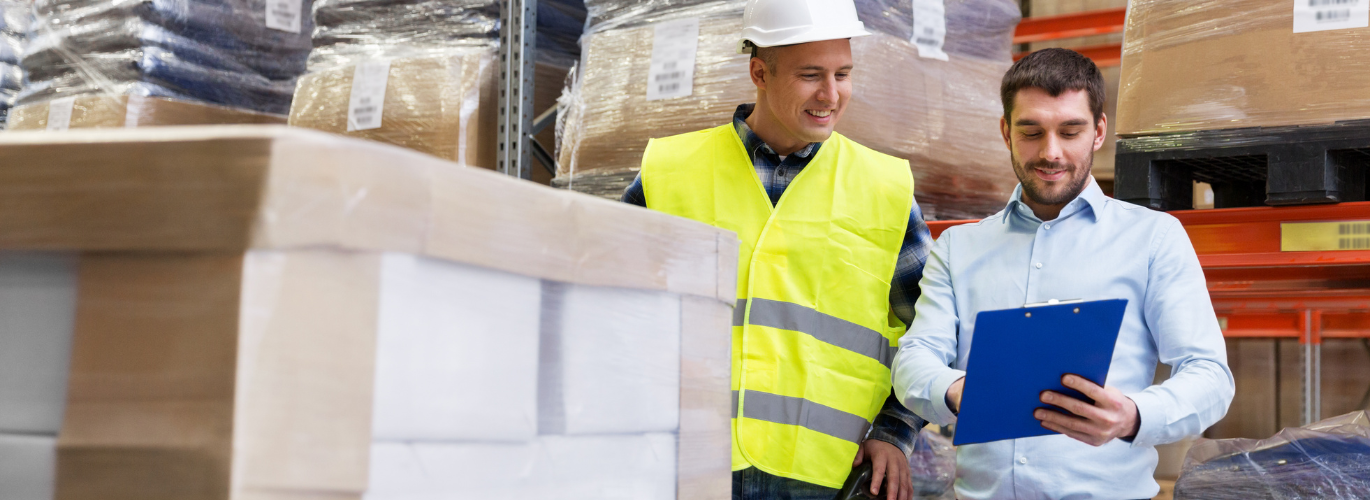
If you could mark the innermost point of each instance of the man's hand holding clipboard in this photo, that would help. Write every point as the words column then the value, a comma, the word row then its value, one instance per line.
column 1032, row 376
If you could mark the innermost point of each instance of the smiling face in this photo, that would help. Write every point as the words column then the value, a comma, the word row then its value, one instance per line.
column 802, row 91
column 1052, row 141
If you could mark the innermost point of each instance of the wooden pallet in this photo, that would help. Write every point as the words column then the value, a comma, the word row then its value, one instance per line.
column 1246, row 167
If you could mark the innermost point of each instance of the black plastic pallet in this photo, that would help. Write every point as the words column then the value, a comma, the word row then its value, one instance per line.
column 1247, row 167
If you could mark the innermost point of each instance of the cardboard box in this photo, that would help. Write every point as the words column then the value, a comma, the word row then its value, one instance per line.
column 107, row 111
column 443, row 105
column 232, row 284
column 942, row 116
column 1234, row 64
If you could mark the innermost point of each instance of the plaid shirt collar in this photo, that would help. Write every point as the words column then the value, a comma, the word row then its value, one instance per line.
column 754, row 143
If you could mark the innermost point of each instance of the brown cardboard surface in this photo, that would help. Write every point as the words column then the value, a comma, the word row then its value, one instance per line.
column 445, row 105
column 200, row 375
column 1253, row 413
column 303, row 412
column 150, row 398
column 234, row 188
column 99, row 111
column 1216, row 64
column 705, row 460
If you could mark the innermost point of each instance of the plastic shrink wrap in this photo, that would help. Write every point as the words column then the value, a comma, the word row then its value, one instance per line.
column 270, row 312
column 941, row 115
column 1222, row 64
column 439, row 94
column 933, row 466
column 1326, row 460
column 238, row 53
column 15, row 20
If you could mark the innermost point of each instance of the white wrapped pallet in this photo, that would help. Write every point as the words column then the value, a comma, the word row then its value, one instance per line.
column 455, row 352
column 611, row 361
column 37, row 314
column 28, row 464
column 641, row 467
column 265, row 312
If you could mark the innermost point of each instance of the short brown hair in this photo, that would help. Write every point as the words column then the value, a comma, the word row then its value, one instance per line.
column 1055, row 71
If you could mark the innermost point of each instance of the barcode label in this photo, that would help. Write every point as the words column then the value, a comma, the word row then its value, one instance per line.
column 59, row 113
column 1354, row 244
column 930, row 28
column 367, row 101
column 1354, row 229
column 1323, row 15
column 674, row 45
column 284, row 15
column 1325, row 236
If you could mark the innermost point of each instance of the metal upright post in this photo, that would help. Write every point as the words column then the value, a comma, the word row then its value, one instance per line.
column 518, row 40
column 1312, row 366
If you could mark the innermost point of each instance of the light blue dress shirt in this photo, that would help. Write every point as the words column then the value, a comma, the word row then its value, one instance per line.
column 1098, row 248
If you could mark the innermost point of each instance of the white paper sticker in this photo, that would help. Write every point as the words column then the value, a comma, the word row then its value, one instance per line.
column 284, row 15
column 59, row 113
column 673, row 59
column 930, row 28
column 368, row 95
column 1323, row 15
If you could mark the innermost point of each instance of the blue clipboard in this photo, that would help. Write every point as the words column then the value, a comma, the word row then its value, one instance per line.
column 1018, row 353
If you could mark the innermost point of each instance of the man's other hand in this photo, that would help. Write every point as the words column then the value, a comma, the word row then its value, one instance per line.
column 1112, row 415
column 954, row 395
column 889, row 466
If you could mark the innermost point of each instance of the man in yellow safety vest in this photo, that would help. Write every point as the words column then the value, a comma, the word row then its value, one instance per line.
column 833, row 246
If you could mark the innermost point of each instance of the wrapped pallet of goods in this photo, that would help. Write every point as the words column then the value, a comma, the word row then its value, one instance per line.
column 270, row 312
column 1324, row 460
column 422, row 74
column 934, row 102
column 153, row 57
column 15, row 22
column 1262, row 99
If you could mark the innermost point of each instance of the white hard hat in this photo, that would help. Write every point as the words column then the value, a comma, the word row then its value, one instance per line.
column 771, row 23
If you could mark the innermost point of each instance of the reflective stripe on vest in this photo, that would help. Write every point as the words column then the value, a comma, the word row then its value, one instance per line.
column 813, row 335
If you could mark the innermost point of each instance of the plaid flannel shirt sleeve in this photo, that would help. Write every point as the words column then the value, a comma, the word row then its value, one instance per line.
column 896, row 424
column 635, row 195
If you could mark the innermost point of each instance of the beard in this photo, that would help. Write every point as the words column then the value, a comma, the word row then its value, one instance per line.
column 1035, row 188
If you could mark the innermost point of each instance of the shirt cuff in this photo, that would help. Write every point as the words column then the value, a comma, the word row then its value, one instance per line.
column 1151, row 410
column 941, row 414
column 887, row 436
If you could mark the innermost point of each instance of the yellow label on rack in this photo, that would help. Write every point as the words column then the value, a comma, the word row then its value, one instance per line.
column 1324, row 236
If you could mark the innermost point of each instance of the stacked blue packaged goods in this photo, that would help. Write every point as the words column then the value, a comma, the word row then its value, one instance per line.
column 212, row 51
column 560, row 25
column 14, row 24
column 1325, row 460
column 351, row 30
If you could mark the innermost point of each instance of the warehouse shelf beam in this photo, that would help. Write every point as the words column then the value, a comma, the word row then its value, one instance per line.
column 1260, row 291
column 518, row 39
column 1099, row 22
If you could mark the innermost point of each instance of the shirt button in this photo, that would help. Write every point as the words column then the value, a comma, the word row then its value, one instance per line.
column 1037, row 265
column 1022, row 460
column 1048, row 226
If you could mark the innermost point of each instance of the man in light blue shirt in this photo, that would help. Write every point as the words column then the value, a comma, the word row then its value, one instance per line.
column 1060, row 237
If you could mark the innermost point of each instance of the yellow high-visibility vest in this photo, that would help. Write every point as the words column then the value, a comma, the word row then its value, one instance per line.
column 813, row 333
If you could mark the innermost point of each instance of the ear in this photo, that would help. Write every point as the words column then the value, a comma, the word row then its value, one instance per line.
column 1101, row 131
column 758, row 73
column 1004, row 129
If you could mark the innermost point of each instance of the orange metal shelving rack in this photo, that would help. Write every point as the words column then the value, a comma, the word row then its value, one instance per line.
column 1260, row 291
column 1099, row 22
